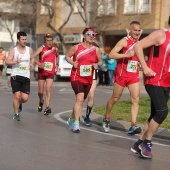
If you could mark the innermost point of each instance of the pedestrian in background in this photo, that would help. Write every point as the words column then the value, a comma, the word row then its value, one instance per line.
column 111, row 71
column 103, row 70
column 2, row 62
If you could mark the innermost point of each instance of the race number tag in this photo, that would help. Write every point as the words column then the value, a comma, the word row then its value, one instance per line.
column 85, row 70
column 8, row 70
column 48, row 66
column 23, row 68
column 1, row 62
column 132, row 66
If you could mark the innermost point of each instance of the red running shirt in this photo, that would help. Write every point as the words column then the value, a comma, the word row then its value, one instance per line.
column 159, row 62
column 128, row 67
column 48, row 56
column 85, row 57
column 2, row 59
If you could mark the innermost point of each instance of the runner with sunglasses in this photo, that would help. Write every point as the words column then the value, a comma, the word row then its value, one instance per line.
column 86, row 58
column 47, row 65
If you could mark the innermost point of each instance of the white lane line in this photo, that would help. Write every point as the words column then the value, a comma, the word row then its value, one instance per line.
column 57, row 116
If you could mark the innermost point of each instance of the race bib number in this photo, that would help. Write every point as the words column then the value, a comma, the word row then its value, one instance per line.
column 132, row 66
column 8, row 70
column 1, row 62
column 23, row 68
column 85, row 70
column 48, row 66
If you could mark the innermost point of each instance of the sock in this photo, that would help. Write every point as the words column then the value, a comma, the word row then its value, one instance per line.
column 133, row 123
column 139, row 141
column 107, row 117
column 88, row 111
column 147, row 141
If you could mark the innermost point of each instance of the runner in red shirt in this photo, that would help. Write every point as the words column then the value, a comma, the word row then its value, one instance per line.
column 2, row 61
column 47, row 65
column 86, row 58
column 157, row 85
column 127, row 75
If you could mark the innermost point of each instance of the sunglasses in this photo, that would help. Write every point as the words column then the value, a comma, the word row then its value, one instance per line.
column 90, row 34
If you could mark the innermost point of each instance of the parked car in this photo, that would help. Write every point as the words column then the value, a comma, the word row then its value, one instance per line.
column 63, row 70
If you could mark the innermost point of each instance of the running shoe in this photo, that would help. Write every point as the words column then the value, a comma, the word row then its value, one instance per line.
column 146, row 150
column 47, row 111
column 16, row 117
column 134, row 129
column 105, row 125
column 88, row 121
column 40, row 107
column 70, row 123
column 76, row 127
column 135, row 149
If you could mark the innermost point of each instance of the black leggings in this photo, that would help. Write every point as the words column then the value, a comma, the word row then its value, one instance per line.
column 159, row 98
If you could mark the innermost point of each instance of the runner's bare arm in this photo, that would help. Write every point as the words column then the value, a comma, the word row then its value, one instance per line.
column 68, row 56
column 34, row 55
column 155, row 38
column 114, row 54
column 9, row 60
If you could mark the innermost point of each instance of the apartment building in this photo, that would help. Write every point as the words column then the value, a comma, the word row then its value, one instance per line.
column 110, row 18
column 16, row 16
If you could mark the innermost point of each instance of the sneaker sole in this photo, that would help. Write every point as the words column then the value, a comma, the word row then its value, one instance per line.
column 105, row 130
column 143, row 154
column 137, row 153
column 16, row 119
column 46, row 114
column 76, row 131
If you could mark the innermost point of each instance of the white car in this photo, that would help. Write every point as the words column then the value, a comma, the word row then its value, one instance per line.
column 64, row 69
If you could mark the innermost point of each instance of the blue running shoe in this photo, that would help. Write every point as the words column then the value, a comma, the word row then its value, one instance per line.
column 20, row 108
column 146, row 150
column 76, row 127
column 88, row 121
column 16, row 117
column 70, row 123
column 134, row 129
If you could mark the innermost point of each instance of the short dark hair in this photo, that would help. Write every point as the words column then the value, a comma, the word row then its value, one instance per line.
column 21, row 33
column 1, row 48
column 134, row 22
column 169, row 21
column 47, row 36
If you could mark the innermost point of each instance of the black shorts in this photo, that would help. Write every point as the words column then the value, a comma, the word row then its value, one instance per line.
column 1, row 68
column 79, row 87
column 20, row 83
column 159, row 98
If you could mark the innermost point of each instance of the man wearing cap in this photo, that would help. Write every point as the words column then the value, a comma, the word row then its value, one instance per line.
column 86, row 58
column 157, row 84
column 47, row 65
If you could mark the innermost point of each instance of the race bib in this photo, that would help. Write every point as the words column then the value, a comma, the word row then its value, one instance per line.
column 85, row 70
column 8, row 70
column 132, row 66
column 1, row 62
column 23, row 68
column 48, row 66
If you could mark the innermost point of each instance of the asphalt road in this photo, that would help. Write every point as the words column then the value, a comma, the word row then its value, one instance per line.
column 41, row 142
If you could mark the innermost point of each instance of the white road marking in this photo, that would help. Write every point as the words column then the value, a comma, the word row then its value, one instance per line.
column 57, row 116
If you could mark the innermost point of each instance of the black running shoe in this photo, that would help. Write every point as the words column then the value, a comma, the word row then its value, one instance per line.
column 20, row 108
column 40, row 107
column 47, row 111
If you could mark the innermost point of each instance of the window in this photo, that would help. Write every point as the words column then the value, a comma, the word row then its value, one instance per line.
column 144, row 6
column 44, row 8
column 106, row 7
column 129, row 6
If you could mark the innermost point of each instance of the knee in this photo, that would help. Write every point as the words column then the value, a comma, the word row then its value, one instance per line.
column 135, row 100
column 160, row 115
